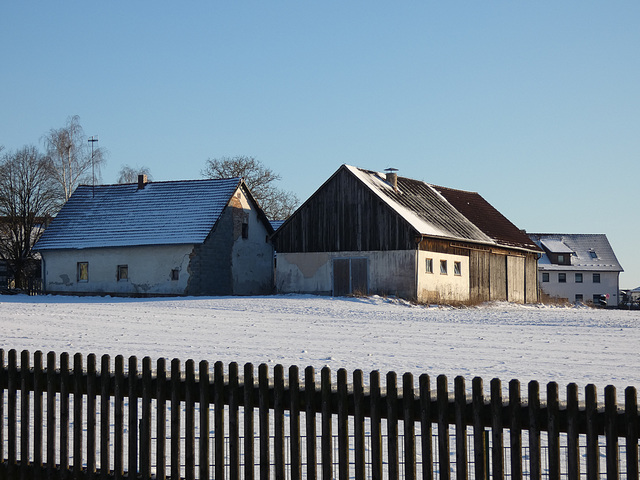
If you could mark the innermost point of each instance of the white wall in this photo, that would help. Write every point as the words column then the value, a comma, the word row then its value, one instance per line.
column 149, row 270
column 608, row 285
column 437, row 287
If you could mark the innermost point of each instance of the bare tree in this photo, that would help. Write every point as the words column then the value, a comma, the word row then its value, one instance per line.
column 129, row 174
column 72, row 158
column 28, row 196
column 276, row 203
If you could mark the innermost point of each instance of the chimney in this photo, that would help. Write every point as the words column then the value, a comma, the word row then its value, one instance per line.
column 142, row 181
column 392, row 177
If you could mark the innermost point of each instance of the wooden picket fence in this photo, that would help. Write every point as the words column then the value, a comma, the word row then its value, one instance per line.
column 75, row 421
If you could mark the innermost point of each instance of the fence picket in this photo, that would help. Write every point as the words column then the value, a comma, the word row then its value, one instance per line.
column 64, row 414
column 234, row 423
column 460, row 400
column 310, row 419
column 278, row 420
column 218, row 418
column 610, row 414
column 263, row 419
column 553, row 430
column 12, row 414
column 535, row 465
column 133, row 415
column 145, row 422
column 497, row 443
column 2, row 390
column 51, row 414
column 38, row 389
column 343, row 425
column 443, row 427
column 249, row 444
column 77, row 416
column 392, row 425
column 189, row 421
column 376, row 433
column 426, row 442
column 515, row 429
column 358, row 423
column 294, row 423
column 593, row 454
column 161, row 419
column 408, row 403
column 327, row 421
column 91, row 415
column 573, row 437
column 25, row 414
column 631, row 421
column 118, row 417
column 105, row 421
column 479, row 444
column 204, row 455
column 175, row 418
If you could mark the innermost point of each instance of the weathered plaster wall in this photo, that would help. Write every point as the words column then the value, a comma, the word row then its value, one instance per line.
column 149, row 270
column 389, row 272
column 438, row 287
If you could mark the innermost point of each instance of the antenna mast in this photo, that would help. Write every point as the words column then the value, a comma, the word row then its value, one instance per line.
column 92, row 140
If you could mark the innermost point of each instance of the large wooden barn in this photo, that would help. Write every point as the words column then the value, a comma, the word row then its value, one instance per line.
column 365, row 232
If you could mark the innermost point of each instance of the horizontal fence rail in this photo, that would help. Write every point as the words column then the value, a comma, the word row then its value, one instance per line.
column 64, row 417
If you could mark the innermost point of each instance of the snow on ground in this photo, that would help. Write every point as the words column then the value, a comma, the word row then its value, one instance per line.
column 500, row 340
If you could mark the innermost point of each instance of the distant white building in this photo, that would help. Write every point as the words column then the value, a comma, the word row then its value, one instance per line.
column 195, row 237
column 578, row 267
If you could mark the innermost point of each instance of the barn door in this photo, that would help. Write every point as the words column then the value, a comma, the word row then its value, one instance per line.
column 350, row 276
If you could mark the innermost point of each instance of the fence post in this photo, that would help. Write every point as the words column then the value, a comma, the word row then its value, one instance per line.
column 278, row 419
column 25, row 414
column 51, row 414
column 497, row 453
column 118, row 401
column 145, row 427
column 426, row 442
column 175, row 418
column 234, row 423
column 358, row 423
column 480, row 453
column 376, row 434
column 189, row 420
column 64, row 414
column 263, row 408
column 38, row 412
column 294, row 423
column 133, row 416
column 91, row 415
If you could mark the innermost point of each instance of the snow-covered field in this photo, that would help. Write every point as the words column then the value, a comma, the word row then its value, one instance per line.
column 500, row 340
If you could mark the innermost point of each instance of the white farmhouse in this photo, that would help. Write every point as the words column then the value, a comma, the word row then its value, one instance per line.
column 578, row 267
column 196, row 237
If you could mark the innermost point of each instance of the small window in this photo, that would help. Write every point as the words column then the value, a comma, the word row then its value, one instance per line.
column 123, row 272
column 593, row 254
column 443, row 267
column 457, row 268
column 175, row 274
column 83, row 271
column 578, row 278
column 562, row 278
column 579, row 297
column 596, row 278
column 429, row 265
column 561, row 259
column 545, row 277
column 245, row 228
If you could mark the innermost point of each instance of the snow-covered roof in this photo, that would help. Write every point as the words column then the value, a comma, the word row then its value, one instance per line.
column 589, row 251
column 161, row 213
column 444, row 212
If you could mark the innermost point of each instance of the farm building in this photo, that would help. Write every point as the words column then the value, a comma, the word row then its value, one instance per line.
column 578, row 267
column 197, row 237
column 373, row 233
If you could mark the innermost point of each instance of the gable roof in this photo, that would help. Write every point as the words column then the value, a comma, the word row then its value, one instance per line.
column 161, row 213
column 588, row 251
column 444, row 212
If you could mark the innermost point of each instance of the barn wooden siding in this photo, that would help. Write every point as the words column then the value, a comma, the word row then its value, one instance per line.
column 344, row 216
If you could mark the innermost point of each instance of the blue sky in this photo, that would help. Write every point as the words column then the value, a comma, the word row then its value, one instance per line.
column 535, row 105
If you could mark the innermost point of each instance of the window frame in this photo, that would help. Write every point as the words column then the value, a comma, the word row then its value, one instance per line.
column 545, row 277
column 579, row 278
column 429, row 265
column 119, row 273
column 175, row 274
column 82, row 272
column 596, row 276
column 444, row 267
column 457, row 269
column 562, row 277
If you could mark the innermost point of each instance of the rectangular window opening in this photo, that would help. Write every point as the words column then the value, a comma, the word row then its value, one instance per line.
column 545, row 277
column 596, row 278
column 457, row 268
column 429, row 265
column 443, row 267
column 562, row 278
column 245, row 228
column 123, row 272
column 175, row 274
column 578, row 278
column 83, row 271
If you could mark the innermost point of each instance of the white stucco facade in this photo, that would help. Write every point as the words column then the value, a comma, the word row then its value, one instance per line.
column 573, row 290
column 399, row 273
column 149, row 270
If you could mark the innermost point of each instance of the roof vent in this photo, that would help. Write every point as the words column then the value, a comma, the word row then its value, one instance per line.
column 142, row 181
column 392, row 177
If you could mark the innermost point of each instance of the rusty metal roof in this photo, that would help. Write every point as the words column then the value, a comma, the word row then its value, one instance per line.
column 445, row 212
